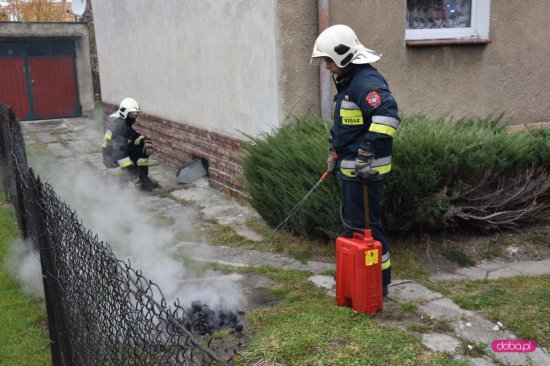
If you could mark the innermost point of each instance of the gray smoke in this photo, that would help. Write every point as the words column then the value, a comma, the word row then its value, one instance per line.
column 23, row 262
column 121, row 217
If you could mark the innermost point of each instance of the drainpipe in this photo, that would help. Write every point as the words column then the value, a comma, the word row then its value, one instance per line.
column 324, row 74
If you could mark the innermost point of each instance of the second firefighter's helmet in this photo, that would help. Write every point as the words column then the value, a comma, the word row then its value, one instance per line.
column 340, row 43
column 126, row 106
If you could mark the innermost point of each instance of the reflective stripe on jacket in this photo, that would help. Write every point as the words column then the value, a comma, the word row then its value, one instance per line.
column 116, row 141
column 365, row 116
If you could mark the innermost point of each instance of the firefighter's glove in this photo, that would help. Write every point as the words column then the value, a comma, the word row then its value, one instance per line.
column 331, row 161
column 363, row 163
column 148, row 147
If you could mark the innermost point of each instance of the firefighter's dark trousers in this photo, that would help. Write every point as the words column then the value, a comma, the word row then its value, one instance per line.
column 135, row 152
column 353, row 214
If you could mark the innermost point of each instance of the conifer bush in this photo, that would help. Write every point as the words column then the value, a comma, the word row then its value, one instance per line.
column 280, row 168
column 445, row 173
column 470, row 171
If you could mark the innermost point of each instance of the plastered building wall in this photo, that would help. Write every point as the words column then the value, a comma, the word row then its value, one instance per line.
column 509, row 75
column 208, row 73
column 212, row 64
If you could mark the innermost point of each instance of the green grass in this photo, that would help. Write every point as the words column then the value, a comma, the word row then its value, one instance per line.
column 299, row 247
column 459, row 257
column 23, row 333
column 522, row 304
column 308, row 328
column 409, row 307
column 473, row 349
column 405, row 264
column 541, row 238
column 492, row 250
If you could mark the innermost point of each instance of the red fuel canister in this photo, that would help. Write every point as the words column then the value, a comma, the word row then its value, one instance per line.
column 359, row 273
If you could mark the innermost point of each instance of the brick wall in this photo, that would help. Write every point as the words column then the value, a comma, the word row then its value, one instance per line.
column 177, row 144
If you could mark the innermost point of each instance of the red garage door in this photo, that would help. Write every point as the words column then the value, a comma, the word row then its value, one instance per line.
column 38, row 79
column 13, row 87
column 54, row 87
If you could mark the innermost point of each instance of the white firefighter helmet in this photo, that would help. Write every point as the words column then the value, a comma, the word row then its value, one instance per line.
column 340, row 43
column 126, row 106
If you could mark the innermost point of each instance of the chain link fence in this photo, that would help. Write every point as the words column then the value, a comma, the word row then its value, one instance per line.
column 101, row 311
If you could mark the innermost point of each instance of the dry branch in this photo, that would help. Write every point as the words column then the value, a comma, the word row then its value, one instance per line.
column 506, row 201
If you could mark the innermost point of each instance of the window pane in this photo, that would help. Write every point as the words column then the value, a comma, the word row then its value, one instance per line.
column 431, row 14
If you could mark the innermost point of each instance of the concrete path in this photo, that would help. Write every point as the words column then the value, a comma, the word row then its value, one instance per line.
column 491, row 271
column 192, row 207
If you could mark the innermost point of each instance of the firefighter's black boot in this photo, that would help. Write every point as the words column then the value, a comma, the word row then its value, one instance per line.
column 147, row 184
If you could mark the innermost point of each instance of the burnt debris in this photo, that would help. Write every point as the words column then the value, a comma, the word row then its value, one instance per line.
column 203, row 320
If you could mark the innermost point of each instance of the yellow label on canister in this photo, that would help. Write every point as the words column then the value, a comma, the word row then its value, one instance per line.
column 371, row 257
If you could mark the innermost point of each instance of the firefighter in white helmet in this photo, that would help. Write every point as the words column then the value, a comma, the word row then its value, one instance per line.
column 365, row 123
column 125, row 151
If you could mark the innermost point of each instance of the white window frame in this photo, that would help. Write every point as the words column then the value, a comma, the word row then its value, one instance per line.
column 479, row 26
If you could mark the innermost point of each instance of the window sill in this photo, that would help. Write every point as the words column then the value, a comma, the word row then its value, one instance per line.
column 447, row 42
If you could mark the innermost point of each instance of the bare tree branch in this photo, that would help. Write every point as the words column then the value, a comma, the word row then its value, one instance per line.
column 505, row 201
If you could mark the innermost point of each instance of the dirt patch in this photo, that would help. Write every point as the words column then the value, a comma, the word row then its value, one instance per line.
column 392, row 314
column 257, row 290
column 396, row 315
column 448, row 252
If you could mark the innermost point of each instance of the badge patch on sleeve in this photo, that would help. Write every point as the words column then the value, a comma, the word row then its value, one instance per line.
column 373, row 99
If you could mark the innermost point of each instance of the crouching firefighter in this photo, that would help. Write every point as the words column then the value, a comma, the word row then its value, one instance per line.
column 125, row 151
column 365, row 122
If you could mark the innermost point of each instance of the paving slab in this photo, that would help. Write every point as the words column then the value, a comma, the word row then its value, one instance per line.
column 47, row 138
column 476, row 361
column 242, row 258
column 60, row 150
column 214, row 206
column 491, row 271
column 411, row 291
column 325, row 282
column 439, row 342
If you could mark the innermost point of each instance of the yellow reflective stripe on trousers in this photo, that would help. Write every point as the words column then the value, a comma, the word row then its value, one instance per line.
column 126, row 162
column 386, row 261
column 115, row 171
column 143, row 162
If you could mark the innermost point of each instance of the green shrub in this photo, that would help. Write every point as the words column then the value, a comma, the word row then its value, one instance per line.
column 444, row 172
column 441, row 167
column 280, row 168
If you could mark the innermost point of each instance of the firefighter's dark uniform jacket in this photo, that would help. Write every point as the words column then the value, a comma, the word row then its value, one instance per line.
column 122, row 148
column 365, row 117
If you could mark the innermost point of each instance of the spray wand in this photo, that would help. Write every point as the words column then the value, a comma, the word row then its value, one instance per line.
column 302, row 201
